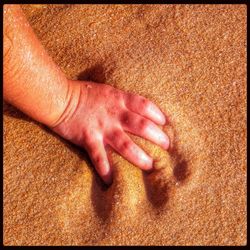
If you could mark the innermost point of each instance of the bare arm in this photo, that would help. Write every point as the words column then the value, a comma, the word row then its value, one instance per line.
column 32, row 81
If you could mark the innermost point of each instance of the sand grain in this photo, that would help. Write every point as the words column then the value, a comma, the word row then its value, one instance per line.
column 191, row 61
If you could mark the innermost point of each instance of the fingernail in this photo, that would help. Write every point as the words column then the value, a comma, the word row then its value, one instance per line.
column 164, row 141
column 157, row 114
column 148, row 161
column 150, row 170
column 107, row 174
column 160, row 117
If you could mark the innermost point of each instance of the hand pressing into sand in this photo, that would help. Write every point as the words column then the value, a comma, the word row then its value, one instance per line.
column 88, row 114
column 98, row 115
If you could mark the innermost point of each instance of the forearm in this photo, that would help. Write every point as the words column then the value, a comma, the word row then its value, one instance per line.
column 32, row 81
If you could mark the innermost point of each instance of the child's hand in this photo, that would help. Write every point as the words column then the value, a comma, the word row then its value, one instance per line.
column 98, row 115
column 88, row 114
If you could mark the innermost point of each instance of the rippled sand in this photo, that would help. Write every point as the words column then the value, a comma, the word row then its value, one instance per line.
column 191, row 61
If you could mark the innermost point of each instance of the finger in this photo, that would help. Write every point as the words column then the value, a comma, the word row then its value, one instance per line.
column 144, row 128
column 98, row 156
column 122, row 143
column 144, row 107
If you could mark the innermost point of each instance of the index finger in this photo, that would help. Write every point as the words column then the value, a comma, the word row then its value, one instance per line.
column 144, row 107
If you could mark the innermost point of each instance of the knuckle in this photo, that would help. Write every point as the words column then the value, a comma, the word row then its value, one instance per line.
column 124, row 118
column 98, row 160
column 116, row 94
column 131, row 99
column 106, row 90
column 115, row 135
column 125, row 146
column 143, row 124
column 144, row 104
column 143, row 101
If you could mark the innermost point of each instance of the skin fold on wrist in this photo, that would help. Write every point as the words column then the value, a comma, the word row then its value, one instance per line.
column 71, row 102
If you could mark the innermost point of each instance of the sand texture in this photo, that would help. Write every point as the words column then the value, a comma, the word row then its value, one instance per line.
column 188, row 59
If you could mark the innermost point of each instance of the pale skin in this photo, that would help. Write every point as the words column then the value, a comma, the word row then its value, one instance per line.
column 88, row 114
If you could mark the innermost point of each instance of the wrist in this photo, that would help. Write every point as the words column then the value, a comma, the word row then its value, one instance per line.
column 70, row 104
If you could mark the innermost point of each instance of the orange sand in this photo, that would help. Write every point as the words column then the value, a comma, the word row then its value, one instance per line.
column 191, row 61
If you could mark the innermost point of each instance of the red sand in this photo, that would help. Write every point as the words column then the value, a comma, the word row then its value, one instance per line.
column 191, row 61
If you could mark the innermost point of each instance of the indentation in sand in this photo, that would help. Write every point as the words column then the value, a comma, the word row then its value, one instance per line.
column 175, row 168
column 134, row 191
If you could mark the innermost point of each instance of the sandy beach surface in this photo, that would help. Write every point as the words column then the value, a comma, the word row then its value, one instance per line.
column 188, row 59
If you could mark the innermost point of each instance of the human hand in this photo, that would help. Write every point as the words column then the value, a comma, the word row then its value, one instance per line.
column 98, row 115
column 88, row 114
